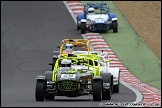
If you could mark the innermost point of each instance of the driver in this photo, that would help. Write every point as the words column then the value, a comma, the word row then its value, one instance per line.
column 69, row 46
column 65, row 63
column 91, row 11
column 65, row 66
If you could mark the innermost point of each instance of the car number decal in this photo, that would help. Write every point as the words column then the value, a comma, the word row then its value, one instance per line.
column 68, row 76
column 99, row 20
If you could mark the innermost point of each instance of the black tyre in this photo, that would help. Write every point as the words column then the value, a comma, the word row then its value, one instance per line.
column 115, row 26
column 49, row 96
column 78, row 27
column 83, row 28
column 107, row 78
column 40, row 91
column 112, row 83
column 97, row 90
column 107, row 94
column 48, row 75
column 116, row 87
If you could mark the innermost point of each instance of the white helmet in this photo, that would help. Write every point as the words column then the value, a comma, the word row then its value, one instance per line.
column 69, row 46
column 91, row 10
column 65, row 63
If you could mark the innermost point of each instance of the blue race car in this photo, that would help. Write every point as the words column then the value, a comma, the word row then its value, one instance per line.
column 96, row 18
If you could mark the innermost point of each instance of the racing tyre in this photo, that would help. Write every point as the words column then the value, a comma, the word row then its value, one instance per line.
column 49, row 96
column 116, row 87
column 107, row 78
column 97, row 90
column 48, row 75
column 83, row 28
column 40, row 90
column 107, row 94
column 115, row 26
column 78, row 27
column 112, row 87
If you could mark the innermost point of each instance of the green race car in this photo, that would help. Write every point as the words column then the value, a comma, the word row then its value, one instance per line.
column 75, row 75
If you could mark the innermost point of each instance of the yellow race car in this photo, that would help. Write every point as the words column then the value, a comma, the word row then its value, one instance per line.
column 67, row 46
column 73, row 76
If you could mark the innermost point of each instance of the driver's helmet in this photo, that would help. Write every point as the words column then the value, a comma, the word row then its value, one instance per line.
column 69, row 46
column 91, row 10
column 65, row 63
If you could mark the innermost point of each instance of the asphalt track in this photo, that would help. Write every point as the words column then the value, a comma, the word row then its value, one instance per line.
column 30, row 31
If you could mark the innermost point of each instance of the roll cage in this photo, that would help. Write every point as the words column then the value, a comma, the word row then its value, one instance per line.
column 86, row 59
column 102, row 7
column 83, row 44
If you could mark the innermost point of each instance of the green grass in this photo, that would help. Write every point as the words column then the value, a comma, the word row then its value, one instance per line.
column 132, row 51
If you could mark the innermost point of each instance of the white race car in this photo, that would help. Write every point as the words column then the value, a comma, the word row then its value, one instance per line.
column 104, row 67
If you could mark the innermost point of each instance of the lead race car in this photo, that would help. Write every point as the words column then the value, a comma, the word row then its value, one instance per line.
column 75, row 75
column 97, row 18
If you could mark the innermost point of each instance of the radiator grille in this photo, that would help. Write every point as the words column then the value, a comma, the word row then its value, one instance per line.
column 67, row 85
column 99, row 26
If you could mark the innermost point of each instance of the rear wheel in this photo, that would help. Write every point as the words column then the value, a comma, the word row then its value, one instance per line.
column 116, row 87
column 107, row 79
column 40, row 90
column 112, row 83
column 97, row 90
column 83, row 28
column 115, row 26
column 78, row 27
column 107, row 94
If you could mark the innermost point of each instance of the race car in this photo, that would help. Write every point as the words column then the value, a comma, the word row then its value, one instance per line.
column 96, row 18
column 104, row 67
column 67, row 46
column 73, row 76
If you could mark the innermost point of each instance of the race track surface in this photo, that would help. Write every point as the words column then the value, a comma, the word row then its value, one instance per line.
column 30, row 31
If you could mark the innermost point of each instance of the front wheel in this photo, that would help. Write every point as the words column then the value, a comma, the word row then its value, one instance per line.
column 115, row 26
column 78, row 27
column 40, row 91
column 97, row 90
column 83, row 28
